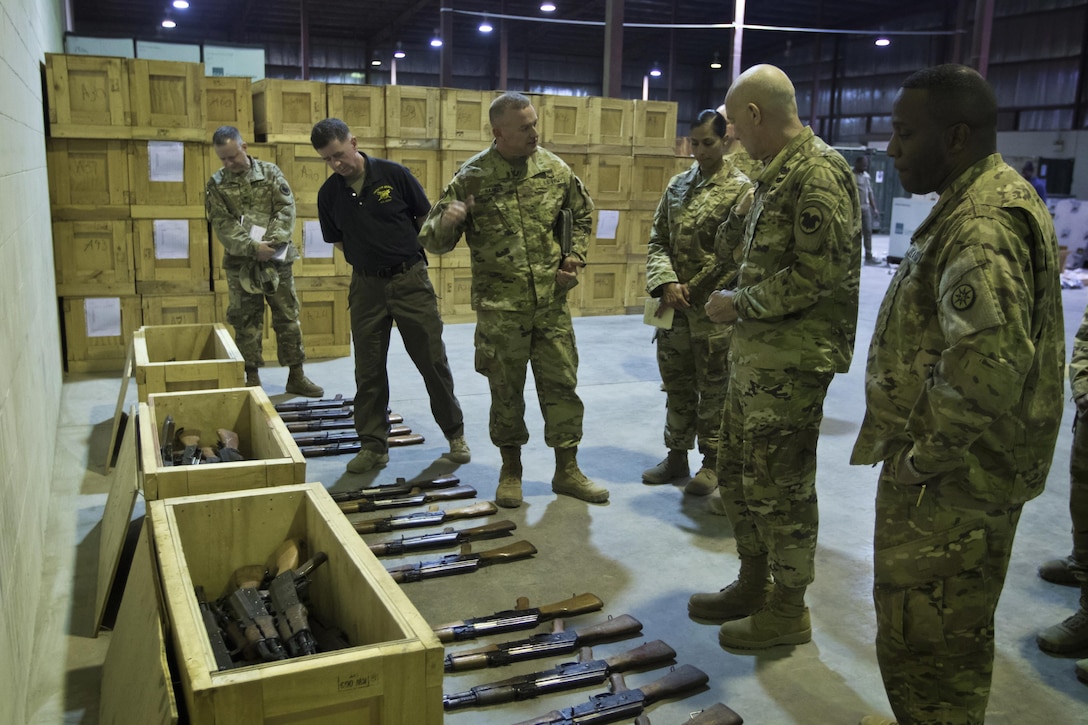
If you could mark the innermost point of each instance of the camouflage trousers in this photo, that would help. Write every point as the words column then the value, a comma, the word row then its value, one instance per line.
column 374, row 304
column 692, row 360
column 245, row 313
column 939, row 568
column 506, row 342
column 1078, row 497
column 767, row 466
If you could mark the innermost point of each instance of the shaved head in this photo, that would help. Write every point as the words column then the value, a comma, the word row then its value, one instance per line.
column 768, row 87
column 762, row 105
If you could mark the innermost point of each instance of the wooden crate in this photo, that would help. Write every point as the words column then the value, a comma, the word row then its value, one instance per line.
column 454, row 291
column 464, row 118
column 392, row 673
column 338, row 282
column 319, row 259
column 635, row 292
column 650, row 177
column 271, row 456
column 97, row 331
column 603, row 288
column 608, row 239
column 171, row 256
column 88, row 179
column 423, row 164
column 326, row 326
column 362, row 108
column 609, row 179
column 87, row 97
column 167, row 179
column 228, row 102
column 639, row 227
column 655, row 128
column 94, row 257
column 167, row 99
column 611, row 125
column 305, row 172
column 411, row 117
column 193, row 309
column 564, row 123
column 286, row 111
column 176, row 357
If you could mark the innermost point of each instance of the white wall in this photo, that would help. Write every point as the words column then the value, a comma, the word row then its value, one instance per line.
column 30, row 357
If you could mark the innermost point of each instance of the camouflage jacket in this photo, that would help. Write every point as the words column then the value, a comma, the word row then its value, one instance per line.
column 234, row 203
column 967, row 355
column 1078, row 366
column 510, row 229
column 797, row 290
column 682, row 239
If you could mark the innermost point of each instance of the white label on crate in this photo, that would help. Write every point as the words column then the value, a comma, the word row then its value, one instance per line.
column 166, row 160
column 607, row 221
column 103, row 316
column 171, row 239
column 313, row 241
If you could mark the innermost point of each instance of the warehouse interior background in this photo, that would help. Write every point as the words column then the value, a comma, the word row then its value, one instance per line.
column 1032, row 51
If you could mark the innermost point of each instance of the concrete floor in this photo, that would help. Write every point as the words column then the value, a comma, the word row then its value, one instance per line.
column 644, row 553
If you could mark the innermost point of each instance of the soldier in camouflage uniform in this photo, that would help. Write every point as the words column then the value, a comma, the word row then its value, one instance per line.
column 682, row 269
column 795, row 311
column 963, row 398
column 506, row 201
column 1071, row 635
column 252, row 210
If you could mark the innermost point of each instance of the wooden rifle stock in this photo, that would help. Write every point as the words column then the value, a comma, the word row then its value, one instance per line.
column 520, row 618
column 462, row 563
column 716, row 714
column 424, row 518
column 448, row 537
column 399, row 487
column 415, row 498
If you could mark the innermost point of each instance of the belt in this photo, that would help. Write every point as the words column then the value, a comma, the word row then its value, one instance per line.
column 395, row 269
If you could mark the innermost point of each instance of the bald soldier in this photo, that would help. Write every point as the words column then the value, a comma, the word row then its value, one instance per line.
column 963, row 395
column 794, row 311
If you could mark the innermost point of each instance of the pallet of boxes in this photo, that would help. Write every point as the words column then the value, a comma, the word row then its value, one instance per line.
column 269, row 604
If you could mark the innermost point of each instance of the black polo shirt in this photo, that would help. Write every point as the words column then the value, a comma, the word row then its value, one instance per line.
column 377, row 226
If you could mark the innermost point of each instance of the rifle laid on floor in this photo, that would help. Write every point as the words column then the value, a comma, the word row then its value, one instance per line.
column 345, row 435
column 566, row 676
column 415, row 497
column 521, row 617
column 442, row 539
column 324, row 414
column 339, row 449
column 342, row 423
column 623, row 703
column 398, row 487
column 295, row 405
column 716, row 714
column 424, row 518
column 462, row 563
column 544, row 644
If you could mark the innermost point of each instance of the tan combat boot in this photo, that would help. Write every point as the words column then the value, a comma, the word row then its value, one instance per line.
column 1059, row 571
column 673, row 467
column 570, row 481
column 508, row 494
column 1068, row 636
column 783, row 620
column 253, row 377
column 299, row 384
column 743, row 597
column 705, row 479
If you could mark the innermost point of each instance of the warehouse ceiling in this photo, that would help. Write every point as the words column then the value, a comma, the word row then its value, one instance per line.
column 378, row 25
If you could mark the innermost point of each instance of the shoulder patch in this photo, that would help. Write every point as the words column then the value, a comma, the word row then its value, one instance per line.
column 811, row 219
column 963, row 297
column 285, row 189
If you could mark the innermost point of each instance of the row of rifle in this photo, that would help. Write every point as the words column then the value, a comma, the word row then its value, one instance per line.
column 327, row 427
column 185, row 446
column 265, row 614
column 617, row 704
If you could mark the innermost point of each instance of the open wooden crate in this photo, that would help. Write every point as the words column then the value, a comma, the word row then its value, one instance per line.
column 271, row 456
column 175, row 358
column 390, row 675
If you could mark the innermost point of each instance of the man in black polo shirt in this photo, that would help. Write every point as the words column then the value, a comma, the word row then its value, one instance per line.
column 371, row 210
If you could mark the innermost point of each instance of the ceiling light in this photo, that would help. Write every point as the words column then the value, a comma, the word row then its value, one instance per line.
column 436, row 39
column 716, row 64
column 655, row 70
column 399, row 52
column 169, row 24
column 547, row 7
column 882, row 42
column 375, row 62
column 181, row 4
column 485, row 26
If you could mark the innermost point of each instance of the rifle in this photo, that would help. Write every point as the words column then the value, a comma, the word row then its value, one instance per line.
column 415, row 497
column 424, row 518
column 228, row 446
column 316, row 433
column 398, row 487
column 716, row 714
column 621, row 703
column 521, row 617
column 446, row 537
column 338, row 402
column 461, row 563
column 337, row 449
column 544, row 644
column 567, row 676
column 294, row 416
column 257, row 624
column 291, row 615
column 220, row 650
column 347, row 423
column 166, row 441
